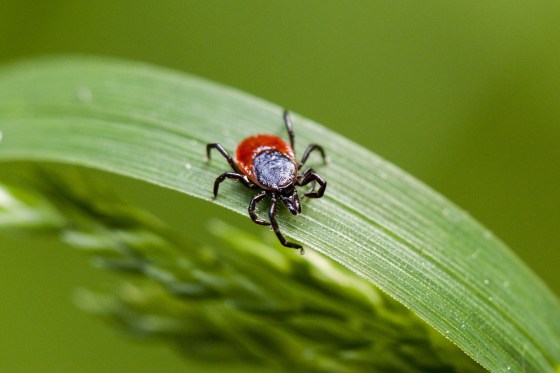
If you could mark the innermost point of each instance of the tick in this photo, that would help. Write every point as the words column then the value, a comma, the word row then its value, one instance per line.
column 268, row 163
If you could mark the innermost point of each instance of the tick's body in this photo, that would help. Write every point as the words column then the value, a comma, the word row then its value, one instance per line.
column 267, row 162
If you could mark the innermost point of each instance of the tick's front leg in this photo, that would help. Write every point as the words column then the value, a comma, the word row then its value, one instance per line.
column 309, row 177
column 276, row 228
column 252, row 206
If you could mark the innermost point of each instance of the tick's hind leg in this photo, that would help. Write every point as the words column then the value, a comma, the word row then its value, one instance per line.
column 231, row 175
column 291, row 135
column 223, row 152
column 252, row 206
column 276, row 228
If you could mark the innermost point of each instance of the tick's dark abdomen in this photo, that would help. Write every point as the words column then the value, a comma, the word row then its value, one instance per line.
column 274, row 170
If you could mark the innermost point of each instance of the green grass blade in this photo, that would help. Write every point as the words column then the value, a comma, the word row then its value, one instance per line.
column 239, row 301
column 152, row 124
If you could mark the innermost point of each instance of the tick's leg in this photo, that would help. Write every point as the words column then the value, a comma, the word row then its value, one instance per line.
column 222, row 151
column 252, row 206
column 308, row 151
column 301, row 176
column 276, row 228
column 310, row 176
column 231, row 175
column 312, row 188
column 288, row 123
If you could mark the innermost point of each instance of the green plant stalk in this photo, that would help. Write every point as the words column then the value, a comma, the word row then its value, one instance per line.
column 376, row 220
column 241, row 301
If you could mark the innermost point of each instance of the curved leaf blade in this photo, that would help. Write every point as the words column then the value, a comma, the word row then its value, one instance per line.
column 152, row 124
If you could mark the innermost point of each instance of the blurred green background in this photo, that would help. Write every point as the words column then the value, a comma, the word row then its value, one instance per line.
column 463, row 95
